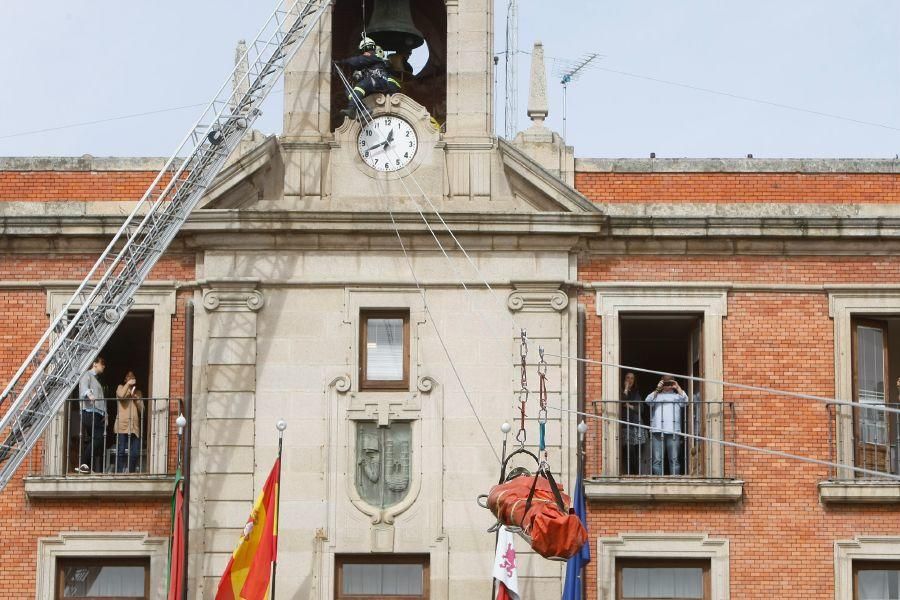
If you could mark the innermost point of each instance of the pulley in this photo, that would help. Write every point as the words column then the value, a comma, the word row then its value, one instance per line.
column 392, row 27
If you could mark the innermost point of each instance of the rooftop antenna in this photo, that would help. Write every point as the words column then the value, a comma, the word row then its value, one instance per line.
column 512, row 79
column 570, row 73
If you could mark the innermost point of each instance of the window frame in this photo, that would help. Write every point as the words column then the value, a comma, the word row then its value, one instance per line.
column 860, row 447
column 161, row 299
column 870, row 565
column 382, row 313
column 613, row 299
column 71, row 412
column 112, row 561
column 650, row 562
column 381, row 559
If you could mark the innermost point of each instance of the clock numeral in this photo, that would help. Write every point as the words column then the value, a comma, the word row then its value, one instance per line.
column 368, row 132
column 407, row 133
column 404, row 156
column 410, row 144
column 362, row 142
column 367, row 154
column 376, row 162
column 398, row 162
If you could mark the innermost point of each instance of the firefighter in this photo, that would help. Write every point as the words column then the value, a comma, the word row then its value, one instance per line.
column 370, row 75
column 399, row 65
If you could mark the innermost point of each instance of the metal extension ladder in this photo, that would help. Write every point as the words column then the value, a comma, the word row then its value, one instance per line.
column 47, row 377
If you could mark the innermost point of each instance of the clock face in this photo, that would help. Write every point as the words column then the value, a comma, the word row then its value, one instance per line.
column 387, row 143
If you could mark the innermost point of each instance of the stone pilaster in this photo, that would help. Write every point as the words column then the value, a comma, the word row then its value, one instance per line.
column 229, row 409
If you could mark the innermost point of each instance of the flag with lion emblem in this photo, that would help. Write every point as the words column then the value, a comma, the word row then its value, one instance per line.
column 506, row 570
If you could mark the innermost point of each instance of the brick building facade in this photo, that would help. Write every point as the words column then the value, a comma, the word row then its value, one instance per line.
column 35, row 268
column 778, row 259
column 761, row 272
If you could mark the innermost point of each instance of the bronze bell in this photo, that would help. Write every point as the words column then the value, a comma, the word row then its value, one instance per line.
column 392, row 27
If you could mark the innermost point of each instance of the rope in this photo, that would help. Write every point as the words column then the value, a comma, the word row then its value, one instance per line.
column 769, row 451
column 515, row 325
column 741, row 386
column 364, row 112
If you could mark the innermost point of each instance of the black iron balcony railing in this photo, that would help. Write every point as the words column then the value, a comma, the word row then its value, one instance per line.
column 665, row 439
column 111, row 437
column 866, row 437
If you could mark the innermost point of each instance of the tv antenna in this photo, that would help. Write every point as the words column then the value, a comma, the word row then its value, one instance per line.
column 569, row 72
column 510, row 120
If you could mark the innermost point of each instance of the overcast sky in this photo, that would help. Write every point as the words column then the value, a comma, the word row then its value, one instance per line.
column 73, row 61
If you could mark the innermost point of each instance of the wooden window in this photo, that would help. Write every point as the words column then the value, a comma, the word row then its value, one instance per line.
column 651, row 579
column 876, row 580
column 103, row 578
column 875, row 431
column 381, row 577
column 384, row 350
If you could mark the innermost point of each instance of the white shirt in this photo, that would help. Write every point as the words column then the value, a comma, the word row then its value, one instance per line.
column 666, row 411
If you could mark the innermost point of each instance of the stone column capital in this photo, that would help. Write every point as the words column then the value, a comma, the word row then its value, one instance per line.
column 537, row 297
column 232, row 295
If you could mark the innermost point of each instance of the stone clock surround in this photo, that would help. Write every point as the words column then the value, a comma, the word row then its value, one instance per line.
column 347, row 135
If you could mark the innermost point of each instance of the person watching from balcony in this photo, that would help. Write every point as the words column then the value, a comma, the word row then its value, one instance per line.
column 666, row 402
column 93, row 418
column 129, row 425
column 634, row 437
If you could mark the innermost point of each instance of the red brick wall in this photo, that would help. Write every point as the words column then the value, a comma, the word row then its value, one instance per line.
column 23, row 521
column 781, row 537
column 48, row 186
column 739, row 187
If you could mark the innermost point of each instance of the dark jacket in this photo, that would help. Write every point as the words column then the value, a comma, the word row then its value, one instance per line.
column 366, row 64
column 633, row 410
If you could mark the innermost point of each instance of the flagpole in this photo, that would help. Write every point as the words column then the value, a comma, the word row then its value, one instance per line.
column 281, row 425
column 505, row 428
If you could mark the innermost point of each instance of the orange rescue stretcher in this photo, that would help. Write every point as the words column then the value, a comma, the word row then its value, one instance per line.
column 535, row 507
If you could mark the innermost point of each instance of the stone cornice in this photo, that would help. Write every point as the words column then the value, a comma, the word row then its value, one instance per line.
column 737, row 165
column 592, row 233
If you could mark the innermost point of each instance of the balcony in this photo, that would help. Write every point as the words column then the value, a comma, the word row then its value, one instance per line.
column 865, row 441
column 642, row 457
column 129, row 453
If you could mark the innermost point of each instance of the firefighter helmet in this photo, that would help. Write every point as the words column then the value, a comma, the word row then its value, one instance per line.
column 367, row 45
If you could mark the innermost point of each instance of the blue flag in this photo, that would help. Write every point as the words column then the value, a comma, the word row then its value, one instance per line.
column 575, row 565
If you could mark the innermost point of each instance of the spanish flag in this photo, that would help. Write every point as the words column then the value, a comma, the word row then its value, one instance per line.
column 248, row 572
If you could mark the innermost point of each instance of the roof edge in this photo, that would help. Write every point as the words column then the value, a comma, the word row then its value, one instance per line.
column 82, row 163
column 737, row 165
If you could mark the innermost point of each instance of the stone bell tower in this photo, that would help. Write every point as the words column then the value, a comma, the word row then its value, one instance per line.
column 454, row 86
column 445, row 108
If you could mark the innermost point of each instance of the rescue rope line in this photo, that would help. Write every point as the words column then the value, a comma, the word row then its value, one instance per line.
column 363, row 111
column 738, row 446
column 882, row 408
column 741, row 386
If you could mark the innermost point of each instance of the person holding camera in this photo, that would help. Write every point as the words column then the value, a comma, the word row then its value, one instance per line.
column 128, row 426
column 666, row 402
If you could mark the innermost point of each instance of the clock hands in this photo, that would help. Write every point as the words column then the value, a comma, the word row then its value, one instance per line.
column 387, row 142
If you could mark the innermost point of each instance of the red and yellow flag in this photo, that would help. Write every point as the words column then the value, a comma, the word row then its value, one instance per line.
column 247, row 575
column 176, row 556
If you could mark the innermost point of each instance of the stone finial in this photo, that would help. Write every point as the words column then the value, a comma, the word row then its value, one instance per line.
column 241, row 83
column 538, row 108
